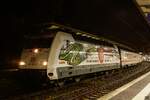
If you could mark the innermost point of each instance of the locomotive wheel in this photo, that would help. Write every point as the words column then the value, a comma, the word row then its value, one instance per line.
column 60, row 83
column 77, row 79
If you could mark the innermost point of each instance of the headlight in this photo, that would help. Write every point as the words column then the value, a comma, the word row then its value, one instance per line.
column 22, row 63
column 36, row 50
column 44, row 63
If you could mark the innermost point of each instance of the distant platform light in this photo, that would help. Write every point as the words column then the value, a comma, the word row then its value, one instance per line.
column 83, row 34
column 78, row 33
column 88, row 36
column 53, row 27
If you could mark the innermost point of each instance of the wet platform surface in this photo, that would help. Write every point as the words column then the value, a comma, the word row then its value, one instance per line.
column 138, row 89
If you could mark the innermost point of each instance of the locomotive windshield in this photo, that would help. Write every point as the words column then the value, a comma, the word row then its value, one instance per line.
column 36, row 52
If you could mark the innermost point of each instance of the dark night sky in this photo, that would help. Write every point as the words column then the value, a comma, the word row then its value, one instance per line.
column 115, row 19
column 16, row 20
column 11, row 24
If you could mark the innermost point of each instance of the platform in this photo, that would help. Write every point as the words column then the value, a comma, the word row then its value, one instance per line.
column 138, row 89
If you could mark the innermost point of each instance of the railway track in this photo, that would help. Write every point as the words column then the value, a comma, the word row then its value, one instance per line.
column 89, row 89
column 96, row 88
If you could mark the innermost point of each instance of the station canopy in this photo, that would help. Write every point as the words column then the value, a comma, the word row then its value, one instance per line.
column 122, row 21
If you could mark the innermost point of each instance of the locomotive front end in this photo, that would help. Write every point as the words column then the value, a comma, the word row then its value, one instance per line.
column 34, row 58
column 35, row 52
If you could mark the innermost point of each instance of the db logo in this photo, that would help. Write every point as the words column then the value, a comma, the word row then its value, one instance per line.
column 101, row 54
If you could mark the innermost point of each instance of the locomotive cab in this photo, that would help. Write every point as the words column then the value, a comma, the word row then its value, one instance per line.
column 35, row 52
